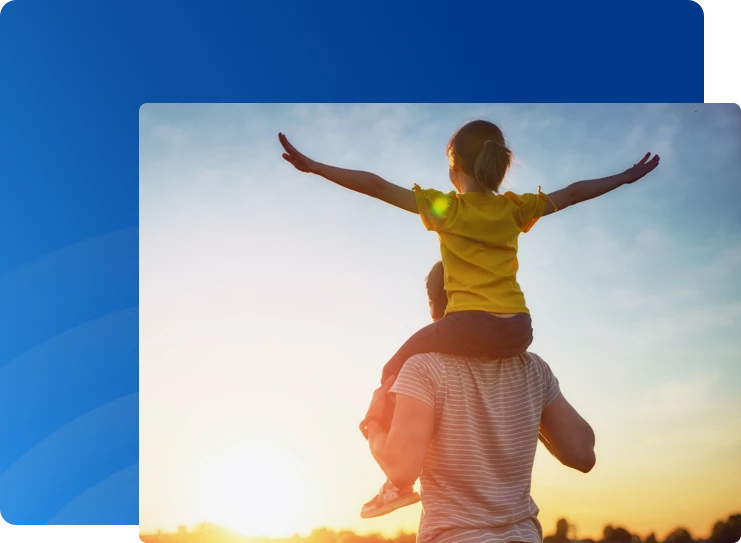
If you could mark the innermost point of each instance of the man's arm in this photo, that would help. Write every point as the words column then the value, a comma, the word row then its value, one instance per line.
column 401, row 451
column 567, row 435
column 582, row 191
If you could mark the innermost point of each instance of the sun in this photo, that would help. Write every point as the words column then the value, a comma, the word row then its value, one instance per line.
column 255, row 488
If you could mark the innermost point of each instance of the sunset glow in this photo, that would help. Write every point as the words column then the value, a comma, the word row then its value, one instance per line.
column 253, row 488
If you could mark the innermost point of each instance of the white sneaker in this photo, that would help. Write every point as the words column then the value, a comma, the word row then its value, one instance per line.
column 389, row 499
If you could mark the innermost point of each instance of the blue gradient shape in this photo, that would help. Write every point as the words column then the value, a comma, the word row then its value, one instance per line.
column 74, row 75
column 71, row 462
column 69, row 380
column 67, row 385
column 106, row 498
column 78, row 279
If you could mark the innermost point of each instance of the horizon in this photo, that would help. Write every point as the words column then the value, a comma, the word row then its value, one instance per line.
column 208, row 526
column 270, row 300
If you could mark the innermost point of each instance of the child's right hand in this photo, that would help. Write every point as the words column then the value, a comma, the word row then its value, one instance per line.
column 301, row 162
column 641, row 169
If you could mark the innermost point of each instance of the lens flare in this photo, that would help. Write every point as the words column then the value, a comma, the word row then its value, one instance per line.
column 440, row 205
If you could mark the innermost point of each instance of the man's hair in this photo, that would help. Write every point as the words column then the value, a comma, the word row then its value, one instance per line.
column 435, row 285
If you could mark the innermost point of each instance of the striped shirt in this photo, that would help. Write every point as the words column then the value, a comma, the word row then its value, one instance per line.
column 475, row 484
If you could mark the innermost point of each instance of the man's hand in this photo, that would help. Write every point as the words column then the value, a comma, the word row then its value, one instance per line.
column 644, row 167
column 301, row 162
column 378, row 402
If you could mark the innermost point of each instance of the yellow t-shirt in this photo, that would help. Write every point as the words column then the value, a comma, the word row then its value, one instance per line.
column 478, row 242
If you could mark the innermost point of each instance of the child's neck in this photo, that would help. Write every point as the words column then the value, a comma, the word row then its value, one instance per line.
column 468, row 184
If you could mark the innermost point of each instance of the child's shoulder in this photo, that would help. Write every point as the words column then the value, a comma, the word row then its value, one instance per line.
column 517, row 199
column 521, row 200
column 436, row 192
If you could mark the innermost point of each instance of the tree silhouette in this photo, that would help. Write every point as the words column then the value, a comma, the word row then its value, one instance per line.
column 680, row 535
column 616, row 535
column 723, row 531
column 726, row 531
column 323, row 535
column 562, row 533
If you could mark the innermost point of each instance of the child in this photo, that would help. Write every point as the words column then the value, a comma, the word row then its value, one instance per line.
column 486, row 315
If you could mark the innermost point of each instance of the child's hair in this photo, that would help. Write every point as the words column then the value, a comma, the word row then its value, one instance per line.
column 436, row 295
column 478, row 148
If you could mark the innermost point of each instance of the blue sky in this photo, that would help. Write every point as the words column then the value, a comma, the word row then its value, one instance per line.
column 261, row 286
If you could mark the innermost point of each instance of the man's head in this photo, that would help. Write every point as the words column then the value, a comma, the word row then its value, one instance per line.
column 436, row 294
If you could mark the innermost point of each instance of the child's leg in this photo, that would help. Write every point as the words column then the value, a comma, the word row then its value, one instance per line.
column 389, row 499
column 466, row 333
column 442, row 336
column 438, row 337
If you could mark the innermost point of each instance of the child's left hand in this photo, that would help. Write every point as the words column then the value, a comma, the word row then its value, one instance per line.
column 301, row 162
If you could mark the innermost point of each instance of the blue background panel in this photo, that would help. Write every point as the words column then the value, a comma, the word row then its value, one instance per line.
column 74, row 75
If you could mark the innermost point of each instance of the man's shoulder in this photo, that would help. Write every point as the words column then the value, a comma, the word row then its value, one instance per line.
column 534, row 364
column 429, row 367
column 528, row 362
column 527, row 357
column 439, row 361
column 537, row 362
column 428, row 361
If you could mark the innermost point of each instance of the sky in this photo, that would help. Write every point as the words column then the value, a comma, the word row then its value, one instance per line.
column 270, row 300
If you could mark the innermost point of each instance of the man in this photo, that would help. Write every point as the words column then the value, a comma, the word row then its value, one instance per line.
column 469, row 428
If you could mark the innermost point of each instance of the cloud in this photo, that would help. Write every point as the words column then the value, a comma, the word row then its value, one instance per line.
column 724, row 261
column 675, row 398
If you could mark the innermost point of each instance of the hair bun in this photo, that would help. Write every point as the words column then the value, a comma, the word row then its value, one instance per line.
column 471, row 146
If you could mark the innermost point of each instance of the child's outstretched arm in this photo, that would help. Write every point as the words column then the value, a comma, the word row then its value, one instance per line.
column 582, row 191
column 363, row 182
